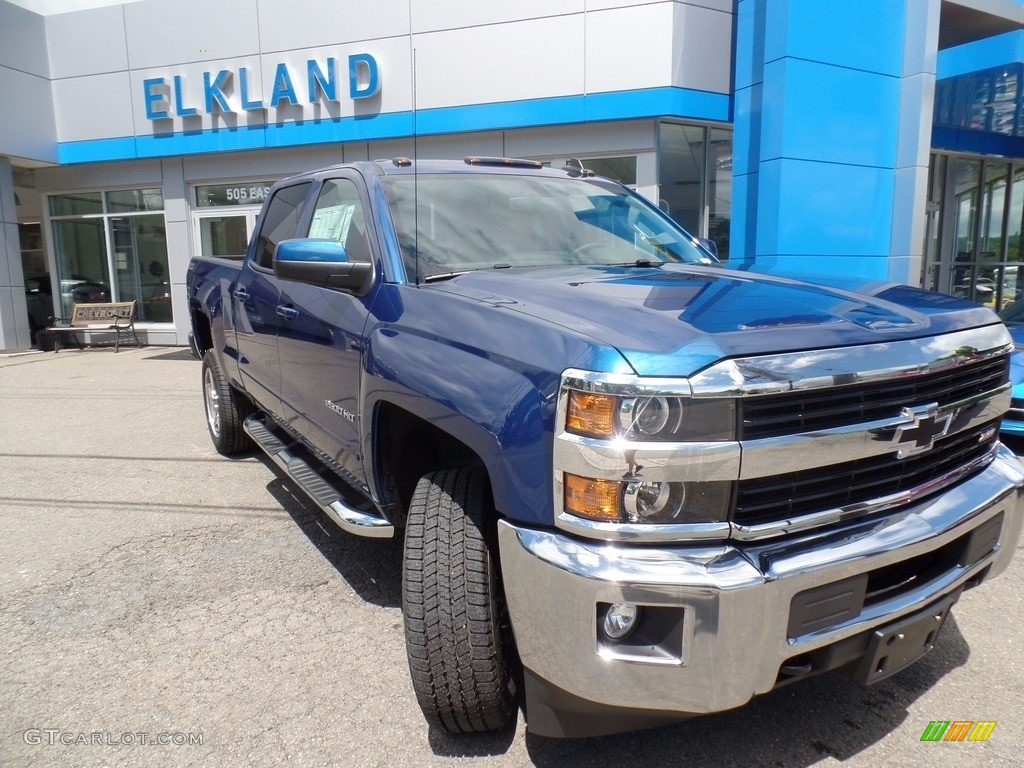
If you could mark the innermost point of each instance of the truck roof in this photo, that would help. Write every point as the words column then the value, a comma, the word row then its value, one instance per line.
column 401, row 166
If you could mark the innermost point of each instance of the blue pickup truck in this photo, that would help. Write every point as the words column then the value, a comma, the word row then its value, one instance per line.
column 633, row 485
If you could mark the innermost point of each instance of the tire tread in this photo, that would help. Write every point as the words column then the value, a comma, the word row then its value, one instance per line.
column 451, row 606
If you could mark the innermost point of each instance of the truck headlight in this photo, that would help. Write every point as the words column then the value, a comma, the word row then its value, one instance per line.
column 610, row 501
column 656, row 418
column 654, row 500
column 650, row 416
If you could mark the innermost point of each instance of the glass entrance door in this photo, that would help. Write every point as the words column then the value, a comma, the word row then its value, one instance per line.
column 973, row 229
column 967, row 178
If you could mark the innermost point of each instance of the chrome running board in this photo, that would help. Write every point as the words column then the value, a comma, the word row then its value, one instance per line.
column 325, row 495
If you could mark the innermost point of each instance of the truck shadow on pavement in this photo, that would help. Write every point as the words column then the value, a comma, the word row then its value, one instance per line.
column 793, row 727
column 371, row 567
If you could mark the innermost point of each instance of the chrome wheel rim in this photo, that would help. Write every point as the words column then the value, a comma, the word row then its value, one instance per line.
column 212, row 400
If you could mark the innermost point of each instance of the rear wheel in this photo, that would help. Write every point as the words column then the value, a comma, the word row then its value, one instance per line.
column 226, row 410
column 451, row 601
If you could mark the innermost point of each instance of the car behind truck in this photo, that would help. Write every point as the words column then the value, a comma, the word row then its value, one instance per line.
column 633, row 485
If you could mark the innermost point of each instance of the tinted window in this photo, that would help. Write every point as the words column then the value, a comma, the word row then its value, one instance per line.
column 338, row 216
column 280, row 221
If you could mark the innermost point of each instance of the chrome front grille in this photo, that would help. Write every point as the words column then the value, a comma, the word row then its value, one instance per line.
column 814, row 454
column 856, row 484
column 776, row 415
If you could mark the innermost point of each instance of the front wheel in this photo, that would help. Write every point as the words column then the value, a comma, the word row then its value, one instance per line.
column 225, row 409
column 452, row 605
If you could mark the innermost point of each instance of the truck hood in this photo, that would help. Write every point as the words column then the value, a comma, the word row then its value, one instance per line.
column 675, row 320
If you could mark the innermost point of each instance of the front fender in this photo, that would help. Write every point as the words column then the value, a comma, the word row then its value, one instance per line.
column 500, row 414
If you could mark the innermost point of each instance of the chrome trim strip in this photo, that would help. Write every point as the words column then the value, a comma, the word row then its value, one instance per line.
column 681, row 532
column 813, row 369
column 643, row 532
column 627, row 459
column 624, row 384
column 826, row 368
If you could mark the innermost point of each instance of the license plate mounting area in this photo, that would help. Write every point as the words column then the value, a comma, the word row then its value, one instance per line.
column 898, row 645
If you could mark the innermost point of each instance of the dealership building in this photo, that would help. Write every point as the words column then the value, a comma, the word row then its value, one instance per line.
column 881, row 139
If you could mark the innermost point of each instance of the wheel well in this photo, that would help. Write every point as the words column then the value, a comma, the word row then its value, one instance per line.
column 201, row 331
column 408, row 447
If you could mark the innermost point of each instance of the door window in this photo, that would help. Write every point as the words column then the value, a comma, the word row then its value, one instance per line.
column 280, row 221
column 338, row 216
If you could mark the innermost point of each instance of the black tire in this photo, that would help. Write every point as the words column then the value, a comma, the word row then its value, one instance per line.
column 225, row 411
column 452, row 605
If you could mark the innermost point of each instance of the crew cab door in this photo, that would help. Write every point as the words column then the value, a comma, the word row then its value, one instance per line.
column 256, row 297
column 320, row 337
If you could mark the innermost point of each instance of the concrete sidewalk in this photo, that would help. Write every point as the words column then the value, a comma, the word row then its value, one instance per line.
column 155, row 591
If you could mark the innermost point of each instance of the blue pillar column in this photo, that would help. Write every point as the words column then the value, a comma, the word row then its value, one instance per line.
column 833, row 112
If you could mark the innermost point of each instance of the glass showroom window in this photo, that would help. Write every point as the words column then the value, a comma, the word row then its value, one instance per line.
column 974, row 220
column 112, row 246
column 695, row 179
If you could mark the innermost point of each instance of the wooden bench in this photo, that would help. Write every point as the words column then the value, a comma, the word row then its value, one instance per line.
column 117, row 317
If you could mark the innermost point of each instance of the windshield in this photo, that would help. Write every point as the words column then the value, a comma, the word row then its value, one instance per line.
column 468, row 222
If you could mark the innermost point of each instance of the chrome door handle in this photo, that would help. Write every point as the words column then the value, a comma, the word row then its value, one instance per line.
column 241, row 294
column 288, row 313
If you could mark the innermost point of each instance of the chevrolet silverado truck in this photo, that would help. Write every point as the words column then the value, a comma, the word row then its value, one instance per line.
column 634, row 486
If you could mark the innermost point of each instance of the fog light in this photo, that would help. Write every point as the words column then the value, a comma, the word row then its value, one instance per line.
column 620, row 620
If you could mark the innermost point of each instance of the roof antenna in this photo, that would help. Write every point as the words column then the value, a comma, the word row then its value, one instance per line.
column 415, row 178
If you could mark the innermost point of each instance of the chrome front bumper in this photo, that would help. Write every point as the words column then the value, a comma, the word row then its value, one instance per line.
column 734, row 601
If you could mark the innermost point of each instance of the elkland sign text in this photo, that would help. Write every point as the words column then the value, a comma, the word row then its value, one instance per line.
column 233, row 90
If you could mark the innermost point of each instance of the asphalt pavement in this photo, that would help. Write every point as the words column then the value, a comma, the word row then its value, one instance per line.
column 161, row 605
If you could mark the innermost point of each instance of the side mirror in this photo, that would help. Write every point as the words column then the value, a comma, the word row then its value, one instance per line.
column 322, row 262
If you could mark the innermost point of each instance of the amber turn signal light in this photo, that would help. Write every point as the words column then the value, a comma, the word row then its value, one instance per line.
column 591, row 414
column 592, row 498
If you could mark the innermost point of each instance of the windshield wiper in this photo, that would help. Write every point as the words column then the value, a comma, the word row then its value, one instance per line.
column 439, row 276
column 641, row 263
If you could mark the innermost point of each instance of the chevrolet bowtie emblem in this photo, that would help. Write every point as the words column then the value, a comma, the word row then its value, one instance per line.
column 924, row 428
